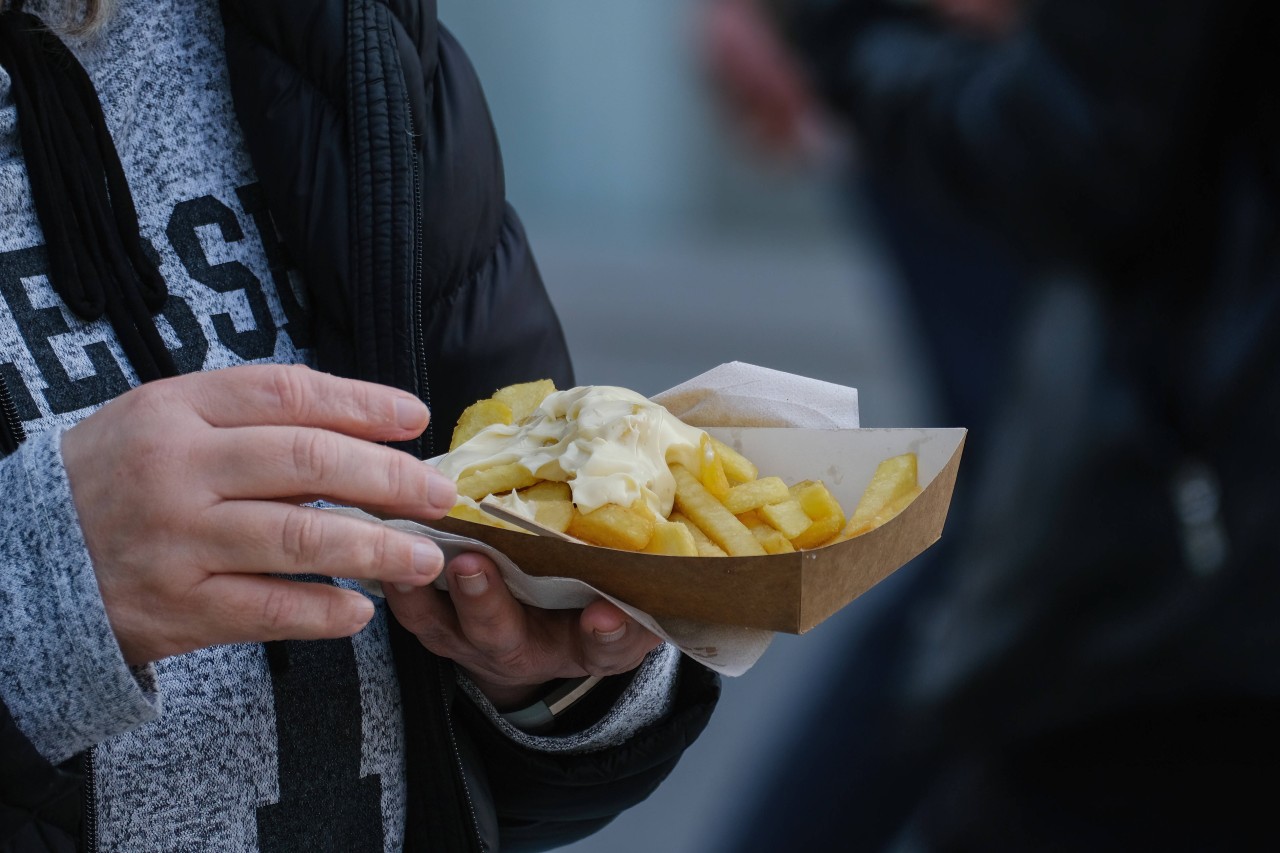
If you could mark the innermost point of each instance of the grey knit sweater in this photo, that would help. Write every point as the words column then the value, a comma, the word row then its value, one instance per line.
column 187, row 750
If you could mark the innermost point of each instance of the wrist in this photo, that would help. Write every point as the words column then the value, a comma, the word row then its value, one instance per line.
column 505, row 697
column 556, row 698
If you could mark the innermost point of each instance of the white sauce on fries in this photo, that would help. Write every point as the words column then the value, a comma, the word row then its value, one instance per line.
column 610, row 444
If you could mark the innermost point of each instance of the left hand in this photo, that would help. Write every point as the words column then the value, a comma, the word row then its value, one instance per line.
column 509, row 649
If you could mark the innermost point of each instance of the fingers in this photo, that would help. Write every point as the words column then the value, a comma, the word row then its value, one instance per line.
column 490, row 617
column 613, row 642
column 502, row 643
column 244, row 608
column 276, row 538
column 530, row 645
column 477, row 618
column 275, row 461
column 296, row 395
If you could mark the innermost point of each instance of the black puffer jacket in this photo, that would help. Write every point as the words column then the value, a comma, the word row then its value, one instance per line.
column 371, row 136
column 369, row 131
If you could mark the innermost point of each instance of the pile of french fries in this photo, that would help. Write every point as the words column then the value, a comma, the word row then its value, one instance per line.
column 725, row 508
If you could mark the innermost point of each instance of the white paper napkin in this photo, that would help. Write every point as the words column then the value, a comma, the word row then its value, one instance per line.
column 745, row 395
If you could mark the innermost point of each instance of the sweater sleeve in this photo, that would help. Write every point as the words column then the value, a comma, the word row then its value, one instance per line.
column 62, row 675
column 646, row 700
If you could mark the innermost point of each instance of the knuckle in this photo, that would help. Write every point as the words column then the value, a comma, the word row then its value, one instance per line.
column 594, row 664
column 408, row 480
column 312, row 455
column 432, row 635
column 301, row 536
column 288, row 386
column 493, row 628
column 399, row 483
column 279, row 610
column 514, row 663
column 382, row 554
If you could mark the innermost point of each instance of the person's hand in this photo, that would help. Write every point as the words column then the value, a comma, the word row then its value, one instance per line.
column 188, row 492
column 993, row 18
column 508, row 649
column 760, row 81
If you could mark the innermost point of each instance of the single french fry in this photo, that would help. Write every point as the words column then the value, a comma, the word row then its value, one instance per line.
column 738, row 468
column 750, row 517
column 551, row 502
column 787, row 517
column 524, row 398
column 613, row 526
column 672, row 539
column 694, row 501
column 495, row 480
column 706, row 548
column 820, row 505
column 822, row 532
column 712, row 474
column 755, row 494
column 894, row 484
column 476, row 417
column 888, row 511
column 771, row 539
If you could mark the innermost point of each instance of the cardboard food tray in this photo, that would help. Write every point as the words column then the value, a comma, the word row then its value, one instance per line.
column 791, row 593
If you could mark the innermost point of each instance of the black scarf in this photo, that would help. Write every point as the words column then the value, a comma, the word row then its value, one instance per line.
column 98, row 261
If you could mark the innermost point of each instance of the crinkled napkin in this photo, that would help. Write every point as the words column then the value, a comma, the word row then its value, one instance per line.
column 733, row 394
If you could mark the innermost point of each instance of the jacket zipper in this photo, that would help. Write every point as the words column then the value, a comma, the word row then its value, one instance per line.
column 457, row 763
column 89, row 816
column 12, row 433
column 428, row 445
column 419, row 345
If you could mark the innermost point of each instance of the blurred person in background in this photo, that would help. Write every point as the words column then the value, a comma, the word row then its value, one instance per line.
column 1097, row 667
column 962, row 287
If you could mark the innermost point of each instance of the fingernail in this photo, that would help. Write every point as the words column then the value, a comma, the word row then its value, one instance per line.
column 427, row 558
column 363, row 612
column 410, row 413
column 612, row 636
column 402, row 587
column 442, row 493
column 473, row 584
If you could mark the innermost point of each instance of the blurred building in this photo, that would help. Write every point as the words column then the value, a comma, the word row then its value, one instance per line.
column 669, row 249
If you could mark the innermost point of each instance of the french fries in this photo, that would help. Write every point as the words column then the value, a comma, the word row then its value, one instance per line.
column 551, row 502
column 721, row 505
column 495, row 480
column 613, row 526
column 477, row 416
column 524, row 398
column 720, row 525
column 823, row 510
column 672, row 539
column 894, row 485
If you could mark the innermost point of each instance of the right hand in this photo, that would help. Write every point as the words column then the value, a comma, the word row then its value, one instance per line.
column 992, row 18
column 188, row 493
column 761, row 81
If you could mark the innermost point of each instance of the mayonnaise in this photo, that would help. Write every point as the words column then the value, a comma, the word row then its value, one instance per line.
column 610, row 444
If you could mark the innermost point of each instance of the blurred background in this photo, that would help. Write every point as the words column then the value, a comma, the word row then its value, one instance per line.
column 670, row 245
